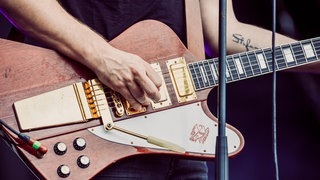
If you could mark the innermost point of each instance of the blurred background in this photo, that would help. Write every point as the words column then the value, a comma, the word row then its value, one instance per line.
column 249, row 105
column 249, row 102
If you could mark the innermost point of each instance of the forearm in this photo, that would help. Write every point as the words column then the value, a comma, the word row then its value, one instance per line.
column 244, row 37
column 48, row 22
column 240, row 36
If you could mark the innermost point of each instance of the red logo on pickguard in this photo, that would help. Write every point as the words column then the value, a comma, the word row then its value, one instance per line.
column 199, row 133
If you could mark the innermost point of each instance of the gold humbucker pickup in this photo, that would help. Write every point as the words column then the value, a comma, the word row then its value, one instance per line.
column 181, row 79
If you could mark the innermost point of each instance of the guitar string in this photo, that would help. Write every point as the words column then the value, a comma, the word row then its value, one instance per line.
column 263, row 51
column 281, row 62
column 251, row 65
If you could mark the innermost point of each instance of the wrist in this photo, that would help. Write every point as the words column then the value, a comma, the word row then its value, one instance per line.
column 94, row 54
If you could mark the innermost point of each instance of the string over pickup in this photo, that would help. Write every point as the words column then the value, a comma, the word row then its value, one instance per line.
column 181, row 79
column 165, row 98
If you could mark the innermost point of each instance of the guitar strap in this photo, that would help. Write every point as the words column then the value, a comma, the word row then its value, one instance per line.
column 194, row 28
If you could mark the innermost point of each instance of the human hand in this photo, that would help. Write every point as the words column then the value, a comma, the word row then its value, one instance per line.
column 131, row 76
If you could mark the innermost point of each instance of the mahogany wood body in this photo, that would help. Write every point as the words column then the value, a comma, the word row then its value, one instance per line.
column 27, row 70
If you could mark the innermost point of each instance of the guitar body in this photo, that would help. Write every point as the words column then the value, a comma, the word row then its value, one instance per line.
column 27, row 71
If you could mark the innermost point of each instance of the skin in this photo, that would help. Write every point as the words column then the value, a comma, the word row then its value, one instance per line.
column 252, row 37
column 123, row 72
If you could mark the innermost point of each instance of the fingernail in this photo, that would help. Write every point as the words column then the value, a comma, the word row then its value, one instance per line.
column 147, row 103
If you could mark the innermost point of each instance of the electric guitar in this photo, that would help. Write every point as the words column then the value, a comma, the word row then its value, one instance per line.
column 92, row 127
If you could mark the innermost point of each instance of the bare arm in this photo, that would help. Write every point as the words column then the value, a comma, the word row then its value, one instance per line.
column 240, row 36
column 48, row 22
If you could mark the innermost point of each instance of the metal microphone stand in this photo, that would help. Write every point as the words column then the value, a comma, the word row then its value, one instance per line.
column 222, row 171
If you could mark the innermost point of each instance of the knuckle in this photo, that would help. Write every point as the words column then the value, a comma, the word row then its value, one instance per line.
column 136, row 72
column 118, row 85
column 128, row 78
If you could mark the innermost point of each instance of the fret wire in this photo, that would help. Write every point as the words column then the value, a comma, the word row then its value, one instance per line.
column 209, row 73
column 292, row 54
column 203, row 80
column 269, row 69
column 305, row 44
column 254, row 63
column 214, row 69
column 194, row 76
column 228, row 77
column 237, row 70
column 239, row 66
column 263, row 65
column 282, row 57
column 316, row 47
column 228, row 72
column 251, row 66
column 268, row 57
column 316, row 43
column 244, row 57
column 314, row 50
column 213, row 72
column 266, row 61
column 314, row 57
column 289, row 59
column 203, row 74
column 197, row 75
column 268, row 54
column 304, row 54
column 298, row 53
column 279, row 58
column 216, row 65
column 232, row 67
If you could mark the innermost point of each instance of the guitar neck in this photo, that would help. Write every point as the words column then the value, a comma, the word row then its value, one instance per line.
column 255, row 63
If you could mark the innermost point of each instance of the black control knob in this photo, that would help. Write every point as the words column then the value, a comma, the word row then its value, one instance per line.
column 63, row 171
column 60, row 148
column 79, row 143
column 83, row 161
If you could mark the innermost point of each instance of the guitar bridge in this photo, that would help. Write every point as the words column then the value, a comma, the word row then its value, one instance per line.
column 76, row 103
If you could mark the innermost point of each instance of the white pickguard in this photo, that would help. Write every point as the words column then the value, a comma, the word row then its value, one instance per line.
column 174, row 125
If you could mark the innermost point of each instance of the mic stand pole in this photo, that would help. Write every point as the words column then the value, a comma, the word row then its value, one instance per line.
column 221, row 141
